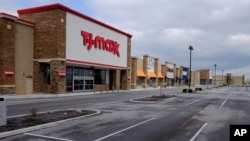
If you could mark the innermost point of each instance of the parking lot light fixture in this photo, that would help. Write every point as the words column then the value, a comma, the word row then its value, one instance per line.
column 190, row 48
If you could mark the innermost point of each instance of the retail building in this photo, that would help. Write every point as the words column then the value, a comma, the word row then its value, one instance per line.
column 147, row 72
column 16, row 54
column 66, row 51
column 170, row 73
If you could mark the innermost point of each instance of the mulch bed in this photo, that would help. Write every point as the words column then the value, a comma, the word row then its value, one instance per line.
column 155, row 98
column 34, row 118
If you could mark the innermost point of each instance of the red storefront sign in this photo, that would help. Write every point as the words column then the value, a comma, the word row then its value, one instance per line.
column 61, row 74
column 8, row 73
column 100, row 43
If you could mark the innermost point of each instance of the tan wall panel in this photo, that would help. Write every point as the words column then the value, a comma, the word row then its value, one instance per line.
column 24, row 37
column 139, row 64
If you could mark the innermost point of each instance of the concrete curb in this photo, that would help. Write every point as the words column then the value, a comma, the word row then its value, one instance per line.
column 42, row 126
column 145, row 102
column 150, row 102
column 11, row 97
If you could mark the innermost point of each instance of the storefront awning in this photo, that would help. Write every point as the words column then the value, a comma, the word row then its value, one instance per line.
column 160, row 75
column 151, row 74
column 140, row 74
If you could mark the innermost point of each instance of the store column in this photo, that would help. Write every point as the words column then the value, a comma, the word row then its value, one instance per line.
column 145, row 69
column 58, row 76
column 117, row 84
column 155, row 81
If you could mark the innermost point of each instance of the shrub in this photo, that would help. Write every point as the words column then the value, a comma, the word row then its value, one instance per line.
column 49, row 112
column 78, row 111
column 33, row 114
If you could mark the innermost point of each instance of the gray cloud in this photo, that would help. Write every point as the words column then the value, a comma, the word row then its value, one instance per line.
column 218, row 30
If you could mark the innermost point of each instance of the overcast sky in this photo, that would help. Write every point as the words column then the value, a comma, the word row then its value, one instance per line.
column 218, row 30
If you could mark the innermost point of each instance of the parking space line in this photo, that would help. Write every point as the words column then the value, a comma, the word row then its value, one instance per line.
column 192, row 102
column 124, row 130
column 47, row 137
column 198, row 132
column 223, row 103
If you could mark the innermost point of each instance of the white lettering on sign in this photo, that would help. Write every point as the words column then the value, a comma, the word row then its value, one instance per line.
column 239, row 132
column 61, row 73
column 100, row 43
column 10, row 73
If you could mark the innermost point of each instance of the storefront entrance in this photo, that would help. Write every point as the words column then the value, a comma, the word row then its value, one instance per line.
column 81, row 83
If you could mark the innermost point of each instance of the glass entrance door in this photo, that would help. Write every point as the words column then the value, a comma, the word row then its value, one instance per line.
column 82, row 83
column 78, row 85
column 89, row 84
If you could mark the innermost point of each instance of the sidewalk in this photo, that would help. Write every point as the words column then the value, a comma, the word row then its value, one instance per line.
column 10, row 97
column 47, row 95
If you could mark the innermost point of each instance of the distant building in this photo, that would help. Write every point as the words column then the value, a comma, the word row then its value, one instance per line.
column 170, row 73
column 195, row 78
column 204, row 76
column 147, row 72
column 228, row 80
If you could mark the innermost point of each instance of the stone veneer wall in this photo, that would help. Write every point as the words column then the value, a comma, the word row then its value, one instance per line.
column 163, row 71
column 7, row 55
column 145, row 70
column 133, row 72
column 49, row 47
column 155, row 80
column 126, row 74
column 58, row 83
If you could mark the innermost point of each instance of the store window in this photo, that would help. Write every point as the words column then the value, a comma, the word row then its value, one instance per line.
column 88, row 72
column 48, row 73
column 100, row 76
column 69, row 78
column 139, row 81
column 78, row 71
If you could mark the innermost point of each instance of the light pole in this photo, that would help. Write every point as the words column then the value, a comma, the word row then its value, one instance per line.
column 190, row 48
column 214, row 75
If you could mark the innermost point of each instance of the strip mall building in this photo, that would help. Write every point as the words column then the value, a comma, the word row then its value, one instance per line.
column 54, row 49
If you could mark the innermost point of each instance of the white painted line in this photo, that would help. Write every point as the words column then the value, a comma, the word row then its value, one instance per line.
column 192, row 102
column 124, row 130
column 47, row 137
column 198, row 132
column 223, row 103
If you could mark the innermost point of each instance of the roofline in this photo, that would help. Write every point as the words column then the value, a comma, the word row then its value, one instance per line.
column 9, row 16
column 67, row 9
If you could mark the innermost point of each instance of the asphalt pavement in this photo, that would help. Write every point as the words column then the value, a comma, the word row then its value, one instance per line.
column 201, row 116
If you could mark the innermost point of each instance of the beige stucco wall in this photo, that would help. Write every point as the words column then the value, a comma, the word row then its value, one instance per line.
column 139, row 64
column 238, row 80
column 159, row 68
column 195, row 78
column 24, row 43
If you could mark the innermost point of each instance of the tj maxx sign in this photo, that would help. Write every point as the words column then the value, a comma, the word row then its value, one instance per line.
column 100, row 43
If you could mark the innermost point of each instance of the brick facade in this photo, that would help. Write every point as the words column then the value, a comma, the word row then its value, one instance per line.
column 49, row 48
column 16, row 44
column 7, row 55
column 163, row 72
column 133, row 72
column 126, row 74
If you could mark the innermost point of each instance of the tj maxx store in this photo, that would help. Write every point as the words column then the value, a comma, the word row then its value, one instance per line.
column 54, row 49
